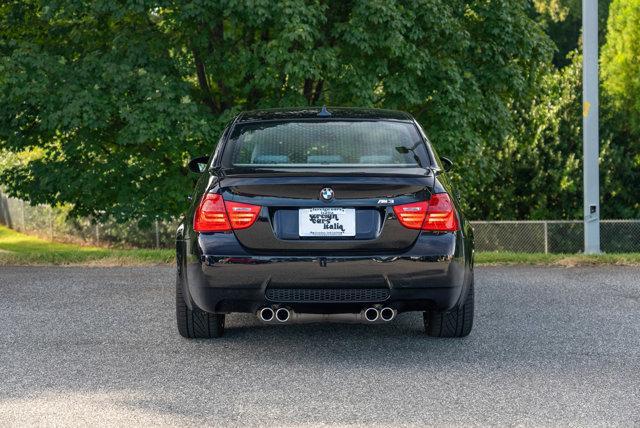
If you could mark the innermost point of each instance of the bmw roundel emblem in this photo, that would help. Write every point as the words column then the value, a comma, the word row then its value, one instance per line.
column 327, row 193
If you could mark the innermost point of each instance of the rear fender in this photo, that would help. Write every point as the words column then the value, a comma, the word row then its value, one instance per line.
column 181, row 266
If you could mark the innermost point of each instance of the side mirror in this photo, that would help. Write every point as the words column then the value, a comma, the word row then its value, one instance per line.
column 447, row 164
column 198, row 165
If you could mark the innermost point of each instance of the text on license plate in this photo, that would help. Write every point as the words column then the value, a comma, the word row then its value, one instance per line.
column 327, row 222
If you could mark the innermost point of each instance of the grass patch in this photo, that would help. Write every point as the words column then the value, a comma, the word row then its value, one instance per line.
column 505, row 258
column 20, row 249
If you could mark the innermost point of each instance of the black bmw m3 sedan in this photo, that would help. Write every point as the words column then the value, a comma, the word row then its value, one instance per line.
column 324, row 214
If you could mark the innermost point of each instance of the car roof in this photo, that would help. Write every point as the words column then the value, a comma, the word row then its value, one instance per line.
column 314, row 113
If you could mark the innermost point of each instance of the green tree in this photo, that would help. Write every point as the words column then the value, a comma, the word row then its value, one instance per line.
column 620, row 64
column 118, row 95
column 562, row 20
column 620, row 60
column 542, row 159
column 101, row 98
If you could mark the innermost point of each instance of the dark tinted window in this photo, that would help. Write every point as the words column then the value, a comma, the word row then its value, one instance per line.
column 326, row 143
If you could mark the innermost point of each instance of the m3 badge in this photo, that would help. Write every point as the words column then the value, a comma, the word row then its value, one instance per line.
column 385, row 201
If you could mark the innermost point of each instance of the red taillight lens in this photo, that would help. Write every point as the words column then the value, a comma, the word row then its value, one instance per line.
column 216, row 215
column 242, row 215
column 411, row 215
column 441, row 215
column 436, row 215
column 211, row 215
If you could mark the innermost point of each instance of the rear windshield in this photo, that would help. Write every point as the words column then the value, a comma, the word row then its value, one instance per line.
column 326, row 143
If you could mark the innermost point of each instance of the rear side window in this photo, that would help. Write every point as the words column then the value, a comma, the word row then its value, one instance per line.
column 326, row 143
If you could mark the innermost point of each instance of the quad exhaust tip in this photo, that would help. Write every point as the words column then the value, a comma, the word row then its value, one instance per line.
column 371, row 314
column 266, row 314
column 283, row 314
column 387, row 314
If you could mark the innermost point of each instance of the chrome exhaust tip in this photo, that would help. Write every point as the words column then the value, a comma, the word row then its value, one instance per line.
column 371, row 314
column 387, row 314
column 283, row 314
column 266, row 314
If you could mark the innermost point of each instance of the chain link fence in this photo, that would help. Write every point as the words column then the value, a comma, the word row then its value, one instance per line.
column 554, row 236
column 544, row 236
column 55, row 224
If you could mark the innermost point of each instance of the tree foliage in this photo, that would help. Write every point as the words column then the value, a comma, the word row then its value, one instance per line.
column 562, row 21
column 117, row 95
column 620, row 64
column 621, row 59
column 542, row 159
column 95, row 89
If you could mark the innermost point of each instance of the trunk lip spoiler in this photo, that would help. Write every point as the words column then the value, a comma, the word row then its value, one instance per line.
column 318, row 172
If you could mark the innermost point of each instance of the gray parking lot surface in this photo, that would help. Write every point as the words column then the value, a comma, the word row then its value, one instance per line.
column 550, row 346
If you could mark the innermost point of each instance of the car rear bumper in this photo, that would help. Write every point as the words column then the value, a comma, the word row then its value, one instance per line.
column 224, row 277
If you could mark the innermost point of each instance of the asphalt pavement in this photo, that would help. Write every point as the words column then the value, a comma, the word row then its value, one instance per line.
column 98, row 346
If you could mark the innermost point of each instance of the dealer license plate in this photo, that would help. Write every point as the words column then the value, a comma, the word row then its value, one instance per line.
column 327, row 222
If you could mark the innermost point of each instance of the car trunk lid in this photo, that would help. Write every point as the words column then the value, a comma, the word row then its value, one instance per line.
column 362, row 198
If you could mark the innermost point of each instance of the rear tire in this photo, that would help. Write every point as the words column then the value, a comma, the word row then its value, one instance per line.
column 457, row 322
column 196, row 323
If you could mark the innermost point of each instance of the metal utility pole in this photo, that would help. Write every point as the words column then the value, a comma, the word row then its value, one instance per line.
column 590, row 126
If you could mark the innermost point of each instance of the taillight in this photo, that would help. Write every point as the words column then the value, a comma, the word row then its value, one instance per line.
column 438, row 214
column 211, row 215
column 242, row 215
column 441, row 215
column 411, row 215
column 216, row 215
